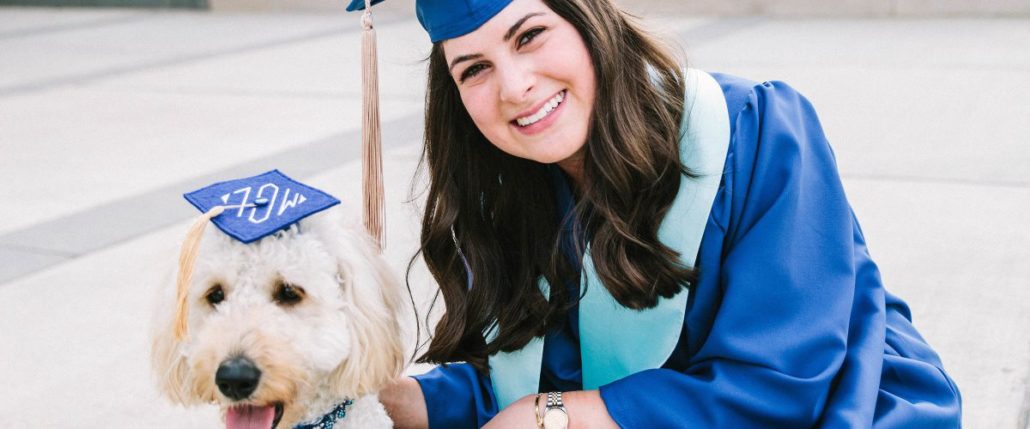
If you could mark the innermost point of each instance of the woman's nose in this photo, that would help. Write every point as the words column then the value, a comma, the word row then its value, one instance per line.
column 516, row 82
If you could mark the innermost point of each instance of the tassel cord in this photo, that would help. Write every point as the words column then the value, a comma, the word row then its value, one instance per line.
column 372, row 162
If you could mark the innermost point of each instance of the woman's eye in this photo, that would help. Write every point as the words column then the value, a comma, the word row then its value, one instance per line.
column 472, row 71
column 287, row 294
column 529, row 35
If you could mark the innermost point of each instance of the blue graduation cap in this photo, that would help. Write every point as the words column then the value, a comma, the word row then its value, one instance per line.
column 257, row 206
column 447, row 19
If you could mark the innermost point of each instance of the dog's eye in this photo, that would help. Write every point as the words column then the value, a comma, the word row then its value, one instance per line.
column 287, row 294
column 215, row 295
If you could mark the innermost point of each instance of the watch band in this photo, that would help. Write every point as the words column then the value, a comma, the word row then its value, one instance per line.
column 554, row 400
column 555, row 415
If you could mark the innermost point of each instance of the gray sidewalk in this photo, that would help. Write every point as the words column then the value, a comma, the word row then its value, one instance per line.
column 108, row 116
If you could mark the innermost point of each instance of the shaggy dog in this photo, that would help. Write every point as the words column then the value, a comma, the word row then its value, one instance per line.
column 284, row 329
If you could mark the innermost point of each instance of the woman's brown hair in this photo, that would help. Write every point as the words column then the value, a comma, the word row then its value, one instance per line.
column 501, row 210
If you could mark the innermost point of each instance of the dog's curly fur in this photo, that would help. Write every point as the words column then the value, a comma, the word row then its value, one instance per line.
column 341, row 340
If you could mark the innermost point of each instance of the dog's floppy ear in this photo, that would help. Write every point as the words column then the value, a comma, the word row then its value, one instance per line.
column 377, row 355
column 166, row 358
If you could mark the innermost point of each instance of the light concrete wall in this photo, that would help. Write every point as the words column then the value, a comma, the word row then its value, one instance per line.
column 834, row 8
column 305, row 5
column 962, row 7
column 828, row 8
column 762, row 7
column 277, row 5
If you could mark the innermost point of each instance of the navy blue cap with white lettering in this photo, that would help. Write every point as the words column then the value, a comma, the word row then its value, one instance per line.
column 447, row 19
column 260, row 205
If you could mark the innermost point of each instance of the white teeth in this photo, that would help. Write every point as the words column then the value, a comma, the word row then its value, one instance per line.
column 540, row 114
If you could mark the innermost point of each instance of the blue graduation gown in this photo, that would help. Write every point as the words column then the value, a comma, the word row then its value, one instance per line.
column 788, row 325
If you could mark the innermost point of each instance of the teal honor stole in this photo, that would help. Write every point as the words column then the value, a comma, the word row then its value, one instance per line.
column 616, row 341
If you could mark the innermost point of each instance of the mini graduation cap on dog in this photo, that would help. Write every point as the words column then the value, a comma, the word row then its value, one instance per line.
column 260, row 205
column 246, row 209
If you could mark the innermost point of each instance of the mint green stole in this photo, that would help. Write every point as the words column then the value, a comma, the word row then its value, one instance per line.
column 616, row 341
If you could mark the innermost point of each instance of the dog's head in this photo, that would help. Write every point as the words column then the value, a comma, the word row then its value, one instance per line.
column 283, row 327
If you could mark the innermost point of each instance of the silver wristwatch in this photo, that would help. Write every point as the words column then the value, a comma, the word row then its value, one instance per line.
column 555, row 416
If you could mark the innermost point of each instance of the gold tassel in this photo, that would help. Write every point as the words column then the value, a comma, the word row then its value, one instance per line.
column 187, row 257
column 372, row 148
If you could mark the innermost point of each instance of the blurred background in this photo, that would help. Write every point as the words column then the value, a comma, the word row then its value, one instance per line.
column 111, row 109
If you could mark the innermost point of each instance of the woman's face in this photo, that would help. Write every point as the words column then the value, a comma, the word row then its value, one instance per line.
column 527, row 80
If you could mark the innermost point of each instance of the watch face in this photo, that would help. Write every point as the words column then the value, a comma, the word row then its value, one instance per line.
column 556, row 419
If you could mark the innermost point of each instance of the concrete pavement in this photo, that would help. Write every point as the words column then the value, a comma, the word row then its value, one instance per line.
column 107, row 116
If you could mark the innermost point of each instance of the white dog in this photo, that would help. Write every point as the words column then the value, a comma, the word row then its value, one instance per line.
column 283, row 330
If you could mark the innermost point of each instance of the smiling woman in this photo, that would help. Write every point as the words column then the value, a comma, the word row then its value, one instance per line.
column 531, row 64
column 529, row 87
column 622, row 243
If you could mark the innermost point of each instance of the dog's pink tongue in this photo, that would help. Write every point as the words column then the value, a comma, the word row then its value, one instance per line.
column 249, row 417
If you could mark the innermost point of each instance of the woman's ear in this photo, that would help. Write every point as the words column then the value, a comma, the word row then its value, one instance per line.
column 372, row 295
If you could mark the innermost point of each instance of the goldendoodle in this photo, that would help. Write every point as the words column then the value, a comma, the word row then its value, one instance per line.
column 299, row 328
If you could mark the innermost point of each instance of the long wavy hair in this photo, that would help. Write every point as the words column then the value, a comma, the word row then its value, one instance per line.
column 499, row 211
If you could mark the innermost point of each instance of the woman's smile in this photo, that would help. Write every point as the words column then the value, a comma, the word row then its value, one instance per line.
column 540, row 118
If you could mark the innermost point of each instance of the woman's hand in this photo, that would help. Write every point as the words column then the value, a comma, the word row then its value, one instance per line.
column 405, row 404
column 585, row 409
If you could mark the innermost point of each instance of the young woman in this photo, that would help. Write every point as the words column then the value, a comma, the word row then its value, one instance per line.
column 665, row 248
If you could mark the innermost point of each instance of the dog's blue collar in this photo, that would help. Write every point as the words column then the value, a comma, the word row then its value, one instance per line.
column 329, row 420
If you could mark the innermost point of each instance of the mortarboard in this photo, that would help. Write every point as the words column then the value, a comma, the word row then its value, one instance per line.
column 447, row 19
column 257, row 206
column 246, row 209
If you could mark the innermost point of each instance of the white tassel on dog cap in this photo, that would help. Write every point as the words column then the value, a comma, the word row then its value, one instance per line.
column 187, row 257
column 246, row 209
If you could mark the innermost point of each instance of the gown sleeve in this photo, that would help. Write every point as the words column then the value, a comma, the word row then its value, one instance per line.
column 457, row 396
column 787, row 281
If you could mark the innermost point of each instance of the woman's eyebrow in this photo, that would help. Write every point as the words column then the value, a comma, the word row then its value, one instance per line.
column 462, row 59
column 515, row 28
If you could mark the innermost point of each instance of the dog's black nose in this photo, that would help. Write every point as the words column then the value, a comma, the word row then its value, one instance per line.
column 237, row 378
